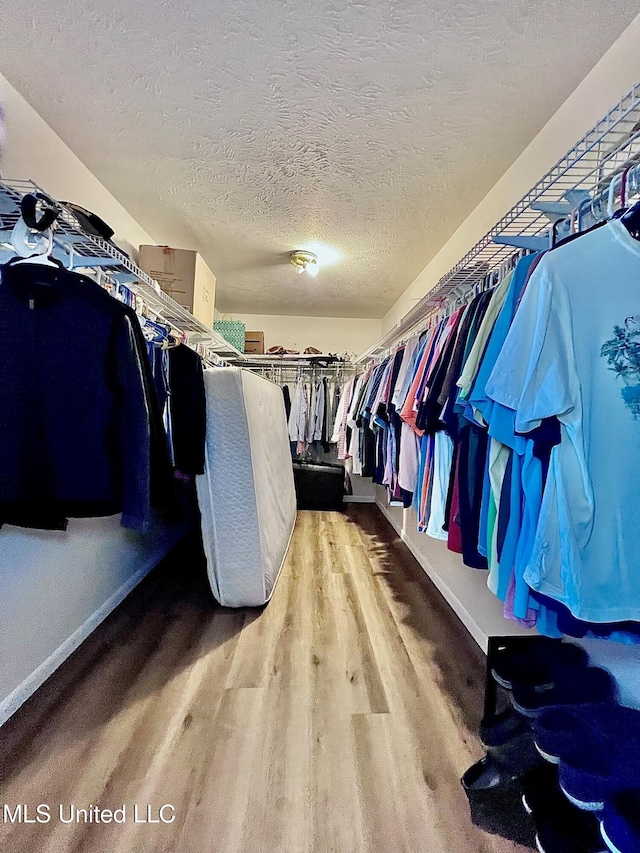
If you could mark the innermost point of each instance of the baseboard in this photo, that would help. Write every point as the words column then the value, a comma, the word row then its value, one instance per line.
column 465, row 590
column 358, row 499
column 24, row 691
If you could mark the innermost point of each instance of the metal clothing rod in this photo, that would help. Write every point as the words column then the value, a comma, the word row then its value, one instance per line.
column 113, row 270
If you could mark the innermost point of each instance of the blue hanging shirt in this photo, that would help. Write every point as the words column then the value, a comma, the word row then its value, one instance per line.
column 573, row 352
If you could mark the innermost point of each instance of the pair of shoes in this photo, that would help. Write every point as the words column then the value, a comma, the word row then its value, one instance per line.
column 571, row 685
column 565, row 829
column 312, row 351
column 278, row 350
column 518, row 755
column 538, row 785
column 591, row 776
column 535, row 664
column 620, row 826
column 597, row 748
column 495, row 801
column 557, row 729
column 560, row 826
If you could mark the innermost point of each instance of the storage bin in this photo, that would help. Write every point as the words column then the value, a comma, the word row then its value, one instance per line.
column 232, row 331
column 319, row 485
column 254, row 343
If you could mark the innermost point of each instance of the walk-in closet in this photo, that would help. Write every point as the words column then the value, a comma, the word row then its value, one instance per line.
column 320, row 427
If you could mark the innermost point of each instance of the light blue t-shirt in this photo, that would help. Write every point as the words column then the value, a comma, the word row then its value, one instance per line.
column 573, row 351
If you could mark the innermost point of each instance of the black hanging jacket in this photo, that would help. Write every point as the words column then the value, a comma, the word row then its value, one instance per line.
column 81, row 432
column 188, row 409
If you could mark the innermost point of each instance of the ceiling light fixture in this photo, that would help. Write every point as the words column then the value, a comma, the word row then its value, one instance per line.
column 305, row 262
column 327, row 255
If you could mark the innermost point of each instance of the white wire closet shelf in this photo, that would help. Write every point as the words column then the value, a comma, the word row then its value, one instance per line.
column 586, row 171
column 293, row 359
column 110, row 267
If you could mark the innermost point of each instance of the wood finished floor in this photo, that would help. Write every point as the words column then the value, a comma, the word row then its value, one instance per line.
column 338, row 719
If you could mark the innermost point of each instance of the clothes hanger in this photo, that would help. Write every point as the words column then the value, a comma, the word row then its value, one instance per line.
column 33, row 247
column 32, row 235
column 156, row 332
column 582, row 210
column 612, row 195
column 631, row 219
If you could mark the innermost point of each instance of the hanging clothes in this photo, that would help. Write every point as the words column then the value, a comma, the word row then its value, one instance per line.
column 339, row 435
column 287, row 400
column 318, row 414
column 104, row 450
column 298, row 417
column 187, row 409
column 571, row 354
column 493, row 425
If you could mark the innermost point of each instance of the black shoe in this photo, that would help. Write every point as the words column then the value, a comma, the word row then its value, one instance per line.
column 540, row 787
column 501, row 728
column 495, row 802
column 536, row 664
column 519, row 755
column 573, row 686
column 563, row 828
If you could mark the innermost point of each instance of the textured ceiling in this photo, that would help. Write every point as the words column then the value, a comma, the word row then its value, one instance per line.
column 248, row 128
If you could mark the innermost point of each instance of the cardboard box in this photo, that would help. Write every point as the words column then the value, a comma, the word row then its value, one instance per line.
column 254, row 343
column 184, row 276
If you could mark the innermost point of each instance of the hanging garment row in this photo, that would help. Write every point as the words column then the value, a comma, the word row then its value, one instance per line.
column 311, row 412
column 511, row 427
column 100, row 414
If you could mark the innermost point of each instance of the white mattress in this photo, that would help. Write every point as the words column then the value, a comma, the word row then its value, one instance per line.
column 246, row 495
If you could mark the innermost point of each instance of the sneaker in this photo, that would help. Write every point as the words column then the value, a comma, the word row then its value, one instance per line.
column 519, row 755
column 561, row 827
column 535, row 664
column 539, row 787
column 501, row 728
column 569, row 831
column 556, row 729
column 620, row 826
column 591, row 776
column 495, row 802
column 572, row 686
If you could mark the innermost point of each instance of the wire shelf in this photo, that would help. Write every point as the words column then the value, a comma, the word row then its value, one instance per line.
column 111, row 268
column 605, row 152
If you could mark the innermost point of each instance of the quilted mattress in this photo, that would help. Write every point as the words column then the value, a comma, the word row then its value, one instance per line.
column 246, row 495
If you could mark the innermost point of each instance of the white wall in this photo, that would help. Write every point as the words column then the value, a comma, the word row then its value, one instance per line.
column 35, row 152
column 56, row 587
column 617, row 73
column 328, row 334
